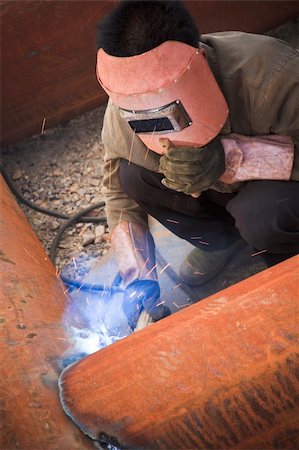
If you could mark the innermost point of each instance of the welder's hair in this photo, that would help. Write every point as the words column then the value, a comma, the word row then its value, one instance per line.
column 134, row 27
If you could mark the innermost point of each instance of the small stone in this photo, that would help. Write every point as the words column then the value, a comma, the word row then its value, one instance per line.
column 88, row 238
column 99, row 231
column 54, row 225
column 16, row 175
column 73, row 188
column 57, row 173
column 106, row 237
column 95, row 182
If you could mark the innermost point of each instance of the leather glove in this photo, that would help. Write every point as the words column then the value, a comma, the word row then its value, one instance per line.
column 192, row 169
column 271, row 157
column 134, row 249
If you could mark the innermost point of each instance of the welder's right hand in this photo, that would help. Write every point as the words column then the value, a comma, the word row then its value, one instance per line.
column 143, row 295
column 192, row 170
column 134, row 249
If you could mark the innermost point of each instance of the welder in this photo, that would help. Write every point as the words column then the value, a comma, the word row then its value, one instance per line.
column 201, row 133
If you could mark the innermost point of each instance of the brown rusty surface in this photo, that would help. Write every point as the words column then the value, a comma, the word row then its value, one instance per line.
column 221, row 374
column 32, row 302
column 48, row 54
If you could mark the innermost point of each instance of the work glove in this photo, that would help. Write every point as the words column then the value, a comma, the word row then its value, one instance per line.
column 192, row 169
column 134, row 249
column 139, row 295
column 271, row 157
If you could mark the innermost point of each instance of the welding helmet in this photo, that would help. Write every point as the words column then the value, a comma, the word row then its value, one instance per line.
column 167, row 92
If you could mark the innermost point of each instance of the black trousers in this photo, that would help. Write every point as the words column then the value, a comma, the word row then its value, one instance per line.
column 263, row 213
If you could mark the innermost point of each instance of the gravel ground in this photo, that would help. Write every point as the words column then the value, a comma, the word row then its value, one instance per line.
column 61, row 170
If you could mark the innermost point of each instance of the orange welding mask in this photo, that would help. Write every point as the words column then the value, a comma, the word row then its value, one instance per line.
column 167, row 92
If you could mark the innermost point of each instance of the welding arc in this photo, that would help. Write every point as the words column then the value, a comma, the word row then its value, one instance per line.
column 79, row 217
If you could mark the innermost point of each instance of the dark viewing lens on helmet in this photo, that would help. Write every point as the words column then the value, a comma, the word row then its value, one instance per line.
column 165, row 119
column 151, row 125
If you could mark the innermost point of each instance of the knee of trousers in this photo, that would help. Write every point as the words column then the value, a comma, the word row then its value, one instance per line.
column 131, row 180
column 271, row 224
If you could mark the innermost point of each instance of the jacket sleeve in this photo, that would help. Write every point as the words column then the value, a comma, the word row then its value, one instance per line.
column 280, row 107
column 286, row 120
column 117, row 142
column 279, row 111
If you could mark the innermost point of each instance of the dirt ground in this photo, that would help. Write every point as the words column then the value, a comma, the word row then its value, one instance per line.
column 61, row 170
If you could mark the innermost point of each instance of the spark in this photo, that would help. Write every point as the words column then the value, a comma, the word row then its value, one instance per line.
column 204, row 242
column 282, row 200
column 87, row 300
column 62, row 339
column 133, row 294
column 258, row 253
column 172, row 221
column 150, row 142
column 177, row 285
column 145, row 263
column 199, row 273
column 92, row 285
column 131, row 149
column 79, row 288
column 187, row 262
column 66, row 291
column 31, row 256
column 164, row 268
column 196, row 237
column 74, row 261
column 153, row 268
column 161, row 303
column 83, row 229
column 43, row 125
column 120, row 216
column 146, row 154
column 110, row 174
column 58, row 273
column 181, row 306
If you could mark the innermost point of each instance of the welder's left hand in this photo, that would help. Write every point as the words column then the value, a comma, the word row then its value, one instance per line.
column 192, row 170
column 143, row 294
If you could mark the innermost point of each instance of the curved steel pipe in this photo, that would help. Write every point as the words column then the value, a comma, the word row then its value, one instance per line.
column 32, row 340
column 221, row 374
